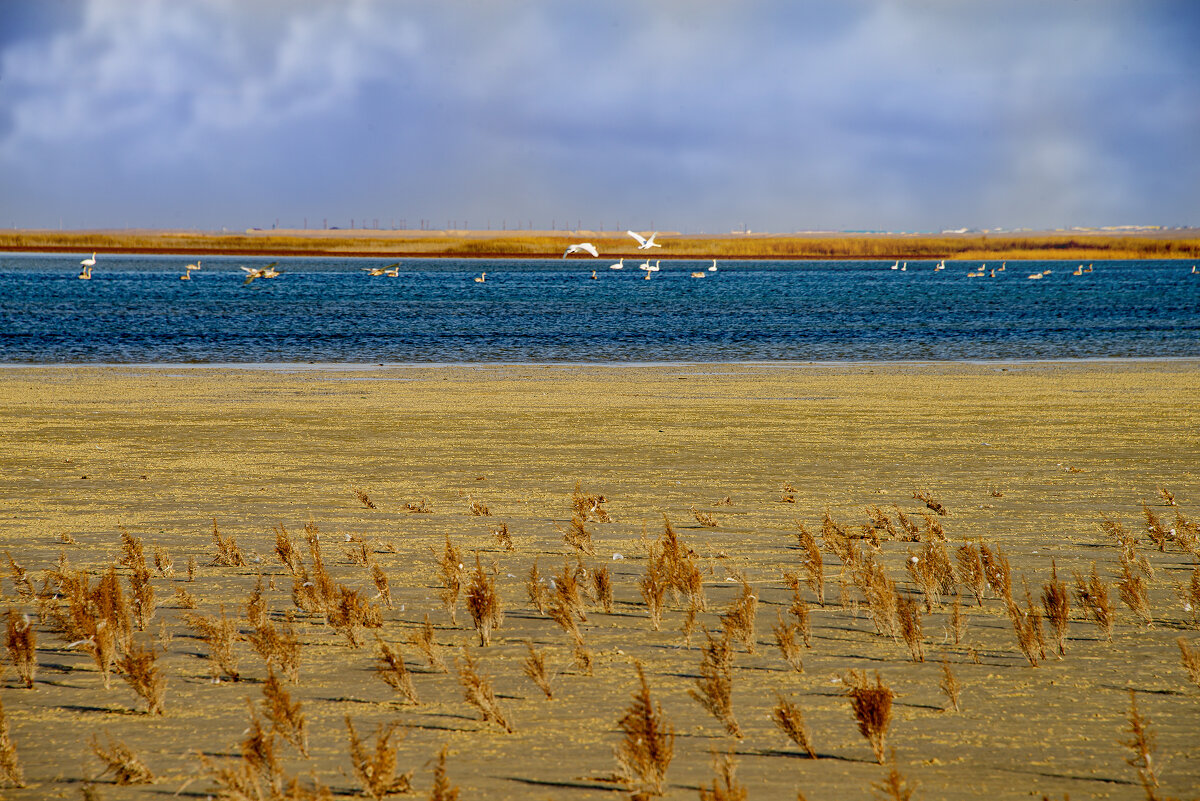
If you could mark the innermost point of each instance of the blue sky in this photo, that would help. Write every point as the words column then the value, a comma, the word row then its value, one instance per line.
column 692, row 116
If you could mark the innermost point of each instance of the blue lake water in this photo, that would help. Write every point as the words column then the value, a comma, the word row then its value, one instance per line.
column 136, row 310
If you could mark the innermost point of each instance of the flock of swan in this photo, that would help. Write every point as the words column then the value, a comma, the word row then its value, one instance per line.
column 644, row 243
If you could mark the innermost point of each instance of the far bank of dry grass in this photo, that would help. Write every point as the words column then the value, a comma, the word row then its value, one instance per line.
column 551, row 244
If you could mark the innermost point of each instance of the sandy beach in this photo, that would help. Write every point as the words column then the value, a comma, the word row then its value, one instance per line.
column 1025, row 457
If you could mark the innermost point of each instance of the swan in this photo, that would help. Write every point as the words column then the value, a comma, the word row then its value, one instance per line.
column 700, row 274
column 645, row 244
column 594, row 275
column 941, row 265
column 1035, row 276
column 187, row 271
column 896, row 266
column 260, row 272
column 373, row 271
column 618, row 266
column 394, row 271
column 86, row 273
column 481, row 278
column 270, row 272
column 586, row 247
column 713, row 269
column 645, row 266
column 89, row 262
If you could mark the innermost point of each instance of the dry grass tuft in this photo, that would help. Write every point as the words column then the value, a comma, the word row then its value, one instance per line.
column 1168, row 497
column 725, row 786
column 738, row 619
column 10, row 767
column 376, row 767
column 950, row 686
column 1160, row 534
column 588, row 507
column 647, row 744
column 381, row 583
column 928, row 499
column 21, row 640
column 1134, row 590
column 392, row 671
column 958, row 620
column 534, row 666
column 932, row 571
column 894, row 786
column 422, row 639
column 911, row 531
column 477, row 691
column 653, row 587
column 998, row 573
column 970, row 571
column 1191, row 660
column 286, row 549
column 163, row 563
column 1092, row 594
column 450, row 565
column 578, row 537
column 503, row 538
column 1056, row 602
column 785, row 637
column 228, row 553
column 278, row 647
column 704, row 518
column 535, row 588
column 872, row 707
column 219, row 634
column 121, row 762
column 419, row 507
column 790, row 720
column 813, row 564
column 1189, row 594
column 479, row 509
column 443, row 790
column 483, row 602
column 363, row 497
column 602, row 584
column 908, row 616
column 1027, row 625
column 714, row 687
column 141, row 672
column 286, row 716
column 1141, row 743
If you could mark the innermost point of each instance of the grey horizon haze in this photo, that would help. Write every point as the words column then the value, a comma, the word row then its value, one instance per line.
column 690, row 116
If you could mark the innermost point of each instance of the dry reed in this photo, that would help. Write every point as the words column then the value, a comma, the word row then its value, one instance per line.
column 219, row 634
column 1027, row 625
column 725, row 786
column 286, row 550
column 286, row 716
column 140, row 670
column 422, row 639
column 872, row 707
column 535, row 588
column 790, row 720
column 442, row 790
column 704, row 518
column 363, row 497
column 1134, row 591
column 1056, row 602
column 1191, row 660
column 503, row 538
column 714, row 686
column 10, row 766
column 21, row 640
column 912, row 532
column 647, row 743
column 483, row 602
column 392, row 671
column 228, row 553
column 381, row 584
column 534, row 666
column 894, row 786
column 998, row 573
column 1160, row 534
column 578, row 537
column 450, row 565
column 908, row 616
column 163, row 563
column 738, row 619
column 278, row 647
column 812, row 562
column 375, row 766
column 785, row 638
column 950, row 686
column 958, row 620
column 1168, row 497
column 1189, row 594
column 121, row 762
column 477, row 691
column 587, row 506
column 971, row 572
column 928, row 499
column 1141, row 742
column 602, row 584
column 1092, row 594
column 653, row 587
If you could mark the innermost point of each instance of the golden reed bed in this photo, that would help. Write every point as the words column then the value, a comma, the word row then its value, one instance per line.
column 587, row 582
column 1156, row 244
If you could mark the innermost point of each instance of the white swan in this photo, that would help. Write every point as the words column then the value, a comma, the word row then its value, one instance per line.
column 713, row 269
column 586, row 247
column 481, row 278
column 393, row 272
column 187, row 271
column 643, row 243
column 89, row 262
column 619, row 265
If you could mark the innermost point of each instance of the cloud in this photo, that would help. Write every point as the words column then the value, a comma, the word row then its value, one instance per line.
column 696, row 115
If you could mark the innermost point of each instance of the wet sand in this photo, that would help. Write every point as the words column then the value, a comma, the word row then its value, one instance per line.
column 1027, row 457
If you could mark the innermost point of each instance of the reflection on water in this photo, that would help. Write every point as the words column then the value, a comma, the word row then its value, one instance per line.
column 136, row 310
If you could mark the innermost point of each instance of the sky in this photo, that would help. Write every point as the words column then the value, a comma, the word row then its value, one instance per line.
column 683, row 115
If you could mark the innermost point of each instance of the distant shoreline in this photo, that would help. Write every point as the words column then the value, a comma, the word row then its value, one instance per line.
column 1051, row 245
